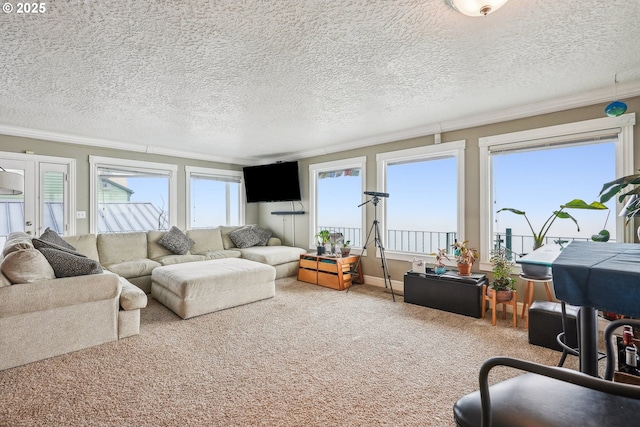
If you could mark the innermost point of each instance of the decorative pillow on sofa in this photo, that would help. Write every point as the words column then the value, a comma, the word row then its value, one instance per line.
column 40, row 244
column 262, row 233
column 176, row 241
column 26, row 266
column 66, row 264
column 244, row 237
column 51, row 236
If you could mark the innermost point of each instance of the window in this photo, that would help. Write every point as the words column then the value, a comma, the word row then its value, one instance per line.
column 130, row 195
column 424, row 210
column 214, row 197
column 336, row 191
column 537, row 171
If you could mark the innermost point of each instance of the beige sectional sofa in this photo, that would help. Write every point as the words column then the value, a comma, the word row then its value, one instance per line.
column 42, row 315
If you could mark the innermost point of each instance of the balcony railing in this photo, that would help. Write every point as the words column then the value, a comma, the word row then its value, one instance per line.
column 426, row 242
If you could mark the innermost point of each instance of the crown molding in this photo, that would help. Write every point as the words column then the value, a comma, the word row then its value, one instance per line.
column 117, row 145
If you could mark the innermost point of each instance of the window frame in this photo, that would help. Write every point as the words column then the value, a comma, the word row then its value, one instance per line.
column 314, row 170
column 224, row 175
column 171, row 170
column 539, row 137
column 454, row 149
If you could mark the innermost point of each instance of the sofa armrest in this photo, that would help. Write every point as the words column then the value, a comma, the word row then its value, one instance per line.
column 131, row 296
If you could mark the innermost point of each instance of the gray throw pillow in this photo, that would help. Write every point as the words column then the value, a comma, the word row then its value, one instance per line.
column 244, row 237
column 65, row 264
column 263, row 234
column 51, row 236
column 39, row 244
column 176, row 241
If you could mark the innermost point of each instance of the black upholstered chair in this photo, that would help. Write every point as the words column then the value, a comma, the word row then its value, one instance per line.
column 546, row 396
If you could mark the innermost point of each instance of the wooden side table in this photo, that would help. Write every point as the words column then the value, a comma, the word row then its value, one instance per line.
column 332, row 272
column 513, row 302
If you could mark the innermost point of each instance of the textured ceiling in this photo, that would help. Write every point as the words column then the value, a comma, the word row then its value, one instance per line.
column 242, row 80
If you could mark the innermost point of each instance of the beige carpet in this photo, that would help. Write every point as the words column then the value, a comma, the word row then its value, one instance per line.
column 311, row 356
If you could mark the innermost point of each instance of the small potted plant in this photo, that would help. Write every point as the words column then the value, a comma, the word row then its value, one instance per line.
column 345, row 250
column 441, row 268
column 465, row 257
column 503, row 268
column 323, row 238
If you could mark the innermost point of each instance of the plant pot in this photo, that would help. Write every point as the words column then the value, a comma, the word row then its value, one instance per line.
column 345, row 251
column 440, row 269
column 535, row 270
column 464, row 269
column 502, row 296
column 321, row 250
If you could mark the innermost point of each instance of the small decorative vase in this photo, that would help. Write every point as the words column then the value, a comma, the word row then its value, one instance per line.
column 464, row 269
column 345, row 251
column 321, row 250
column 440, row 269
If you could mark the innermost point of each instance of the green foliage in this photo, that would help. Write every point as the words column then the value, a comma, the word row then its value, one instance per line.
column 323, row 237
column 502, row 270
column 611, row 188
column 442, row 253
column 538, row 238
column 464, row 255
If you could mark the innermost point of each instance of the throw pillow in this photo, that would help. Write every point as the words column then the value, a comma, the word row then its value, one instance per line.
column 263, row 234
column 65, row 264
column 176, row 241
column 26, row 266
column 244, row 237
column 51, row 236
column 39, row 244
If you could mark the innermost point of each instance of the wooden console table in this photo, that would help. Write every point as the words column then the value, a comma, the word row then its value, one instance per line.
column 332, row 272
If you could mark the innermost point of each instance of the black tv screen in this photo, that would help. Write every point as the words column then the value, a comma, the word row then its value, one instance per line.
column 277, row 182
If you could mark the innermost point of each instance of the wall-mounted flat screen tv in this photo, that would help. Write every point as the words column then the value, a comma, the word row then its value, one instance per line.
column 277, row 182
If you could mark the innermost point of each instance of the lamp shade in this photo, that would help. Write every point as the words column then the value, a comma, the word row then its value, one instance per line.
column 477, row 7
column 11, row 182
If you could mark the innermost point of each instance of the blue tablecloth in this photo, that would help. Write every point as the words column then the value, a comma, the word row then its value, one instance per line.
column 605, row 276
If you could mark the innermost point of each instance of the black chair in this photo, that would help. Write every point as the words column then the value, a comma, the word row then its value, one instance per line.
column 562, row 336
column 550, row 396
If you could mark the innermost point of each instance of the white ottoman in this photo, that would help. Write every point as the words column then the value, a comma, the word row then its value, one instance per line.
column 194, row 288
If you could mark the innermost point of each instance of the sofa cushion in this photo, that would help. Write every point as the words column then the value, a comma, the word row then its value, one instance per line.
column 224, row 233
column 176, row 241
column 244, row 237
column 86, row 244
column 272, row 255
column 131, row 296
column 274, row 241
column 206, row 240
column 4, row 281
column 225, row 253
column 120, row 247
column 26, row 266
column 17, row 241
column 40, row 244
column 179, row 259
column 154, row 250
column 66, row 264
column 135, row 268
column 50, row 235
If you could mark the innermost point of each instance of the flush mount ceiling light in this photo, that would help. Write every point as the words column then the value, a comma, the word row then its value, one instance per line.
column 11, row 182
column 476, row 7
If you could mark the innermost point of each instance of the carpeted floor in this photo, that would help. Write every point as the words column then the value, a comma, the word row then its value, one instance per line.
column 311, row 356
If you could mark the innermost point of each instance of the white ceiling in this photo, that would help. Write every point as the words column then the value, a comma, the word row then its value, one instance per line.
column 249, row 81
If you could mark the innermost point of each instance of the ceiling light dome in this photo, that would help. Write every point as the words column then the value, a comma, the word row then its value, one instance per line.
column 476, row 7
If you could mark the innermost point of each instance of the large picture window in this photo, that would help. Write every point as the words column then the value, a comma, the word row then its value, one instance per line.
column 132, row 196
column 424, row 210
column 214, row 197
column 539, row 170
column 336, row 191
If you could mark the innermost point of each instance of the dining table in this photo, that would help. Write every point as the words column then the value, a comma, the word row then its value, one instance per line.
column 597, row 276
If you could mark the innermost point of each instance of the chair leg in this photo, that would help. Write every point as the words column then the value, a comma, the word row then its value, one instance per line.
column 524, row 301
column 494, row 304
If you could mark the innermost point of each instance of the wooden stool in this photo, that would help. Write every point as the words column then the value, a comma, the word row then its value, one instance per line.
column 528, row 292
column 494, row 306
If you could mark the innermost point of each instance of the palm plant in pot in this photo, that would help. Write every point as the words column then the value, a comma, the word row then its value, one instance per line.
column 502, row 283
column 465, row 257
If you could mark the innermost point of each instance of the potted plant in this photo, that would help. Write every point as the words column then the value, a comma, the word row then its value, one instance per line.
column 632, row 207
column 538, row 238
column 465, row 257
column 502, row 282
column 345, row 250
column 441, row 268
column 323, row 238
